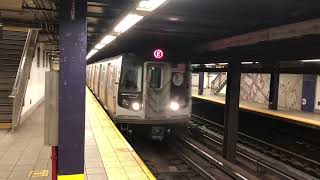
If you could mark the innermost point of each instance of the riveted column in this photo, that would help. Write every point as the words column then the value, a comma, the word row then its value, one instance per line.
column 231, row 112
column 274, row 87
column 73, row 48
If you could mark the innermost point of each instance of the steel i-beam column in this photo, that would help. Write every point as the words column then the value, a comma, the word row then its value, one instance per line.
column 73, row 48
column 231, row 112
column 201, row 82
column 274, row 87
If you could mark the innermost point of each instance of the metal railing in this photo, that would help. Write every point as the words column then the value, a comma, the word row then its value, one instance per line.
column 218, row 83
column 21, row 81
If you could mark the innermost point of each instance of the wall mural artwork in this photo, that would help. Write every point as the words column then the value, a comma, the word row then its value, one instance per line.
column 255, row 87
column 290, row 91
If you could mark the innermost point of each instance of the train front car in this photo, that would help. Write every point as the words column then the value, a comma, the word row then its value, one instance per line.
column 153, row 96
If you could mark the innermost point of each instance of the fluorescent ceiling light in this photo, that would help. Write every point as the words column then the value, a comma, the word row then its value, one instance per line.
column 149, row 5
column 246, row 62
column 107, row 39
column 93, row 51
column 99, row 46
column 223, row 63
column 127, row 22
column 311, row 60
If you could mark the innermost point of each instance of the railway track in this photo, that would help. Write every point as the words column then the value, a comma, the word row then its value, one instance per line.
column 184, row 158
column 208, row 163
column 164, row 161
column 213, row 132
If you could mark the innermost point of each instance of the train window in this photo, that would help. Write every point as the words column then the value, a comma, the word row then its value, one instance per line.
column 155, row 77
column 131, row 78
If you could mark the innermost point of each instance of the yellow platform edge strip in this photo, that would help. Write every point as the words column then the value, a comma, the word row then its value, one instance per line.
column 305, row 121
column 71, row 177
column 134, row 154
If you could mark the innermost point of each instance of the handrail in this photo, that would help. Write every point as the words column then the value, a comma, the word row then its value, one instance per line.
column 21, row 65
column 21, row 81
column 215, row 84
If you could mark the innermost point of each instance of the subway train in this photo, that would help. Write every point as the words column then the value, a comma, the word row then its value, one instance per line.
column 151, row 95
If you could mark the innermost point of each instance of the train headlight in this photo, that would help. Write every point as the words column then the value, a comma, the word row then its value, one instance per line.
column 174, row 106
column 135, row 106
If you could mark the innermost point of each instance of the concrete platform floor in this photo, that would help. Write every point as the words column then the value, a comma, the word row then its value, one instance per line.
column 22, row 151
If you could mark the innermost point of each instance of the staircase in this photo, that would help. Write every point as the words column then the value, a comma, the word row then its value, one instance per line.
column 218, row 83
column 11, row 49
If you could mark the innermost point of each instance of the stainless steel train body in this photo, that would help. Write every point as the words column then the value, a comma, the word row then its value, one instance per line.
column 136, row 91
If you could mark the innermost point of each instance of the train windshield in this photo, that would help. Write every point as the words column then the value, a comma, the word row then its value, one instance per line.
column 131, row 78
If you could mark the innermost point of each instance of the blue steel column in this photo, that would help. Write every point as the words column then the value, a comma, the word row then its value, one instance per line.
column 308, row 92
column 231, row 112
column 201, row 81
column 274, row 87
column 73, row 48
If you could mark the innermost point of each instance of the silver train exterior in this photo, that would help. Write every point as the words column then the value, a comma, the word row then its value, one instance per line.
column 140, row 92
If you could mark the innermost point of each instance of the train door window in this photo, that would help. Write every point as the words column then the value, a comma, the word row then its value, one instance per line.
column 131, row 78
column 155, row 77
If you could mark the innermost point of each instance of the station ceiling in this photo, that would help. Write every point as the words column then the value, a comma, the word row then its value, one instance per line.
column 188, row 27
column 185, row 27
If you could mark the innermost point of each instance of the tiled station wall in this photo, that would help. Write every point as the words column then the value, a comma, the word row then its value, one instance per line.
column 255, row 88
column 36, row 84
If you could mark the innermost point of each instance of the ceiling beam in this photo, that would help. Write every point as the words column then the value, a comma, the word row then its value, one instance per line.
column 295, row 30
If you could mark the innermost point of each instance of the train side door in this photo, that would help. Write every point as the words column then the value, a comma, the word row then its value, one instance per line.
column 156, row 89
column 114, row 89
column 102, row 85
column 108, row 86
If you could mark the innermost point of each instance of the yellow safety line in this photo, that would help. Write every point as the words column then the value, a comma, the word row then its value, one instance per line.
column 306, row 121
column 71, row 177
column 104, row 119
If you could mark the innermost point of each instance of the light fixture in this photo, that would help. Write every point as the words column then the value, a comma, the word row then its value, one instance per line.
column 311, row 60
column 99, row 46
column 174, row 19
column 107, row 39
column 93, row 51
column 247, row 62
column 149, row 5
column 127, row 22
column 223, row 63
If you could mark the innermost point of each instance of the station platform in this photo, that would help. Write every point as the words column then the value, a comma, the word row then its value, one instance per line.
column 108, row 156
column 23, row 154
column 119, row 159
column 293, row 116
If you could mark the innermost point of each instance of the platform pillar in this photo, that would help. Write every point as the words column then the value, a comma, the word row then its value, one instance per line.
column 201, row 82
column 73, row 50
column 231, row 112
column 274, row 87
column 308, row 92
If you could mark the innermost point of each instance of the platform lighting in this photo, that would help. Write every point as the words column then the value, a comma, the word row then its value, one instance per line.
column 311, row 60
column 223, row 63
column 99, row 46
column 149, row 5
column 247, row 62
column 107, row 39
column 91, row 53
column 127, row 22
